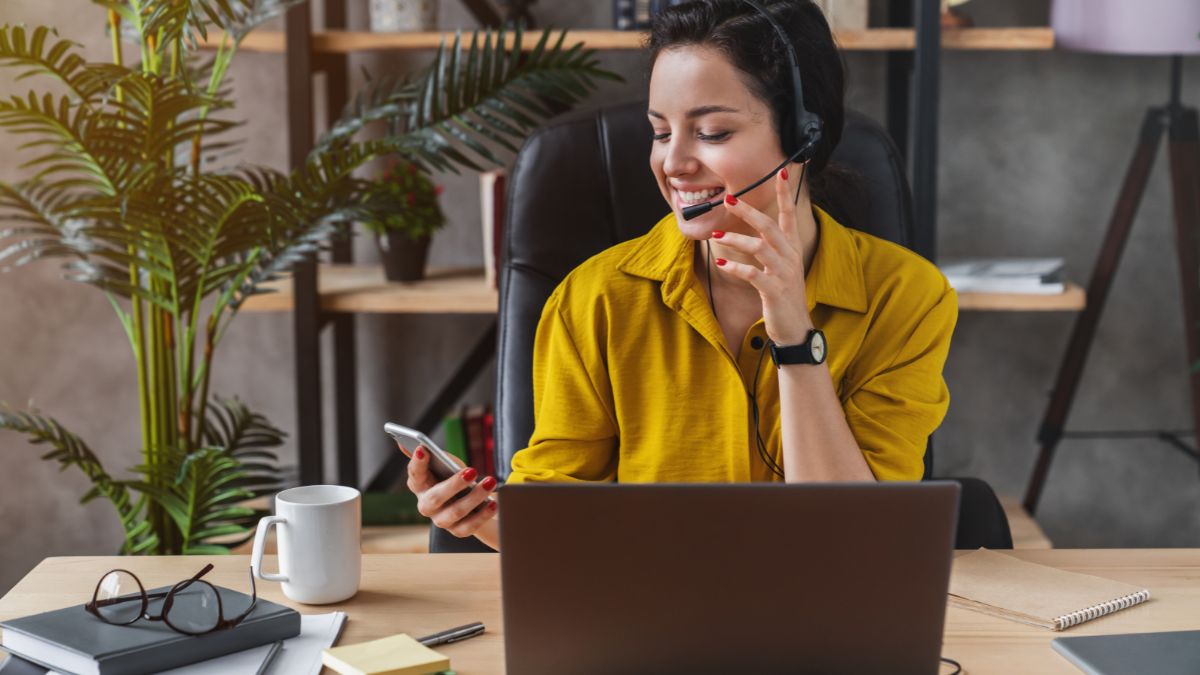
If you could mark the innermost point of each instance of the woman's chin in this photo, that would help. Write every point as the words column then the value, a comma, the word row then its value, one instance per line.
column 700, row 227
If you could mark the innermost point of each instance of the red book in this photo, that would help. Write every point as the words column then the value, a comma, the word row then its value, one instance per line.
column 489, row 441
column 476, row 450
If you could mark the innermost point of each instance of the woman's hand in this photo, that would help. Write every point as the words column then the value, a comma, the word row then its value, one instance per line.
column 462, row 516
column 778, row 247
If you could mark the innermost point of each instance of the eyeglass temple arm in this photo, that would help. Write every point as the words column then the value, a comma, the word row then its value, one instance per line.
column 253, row 600
column 207, row 568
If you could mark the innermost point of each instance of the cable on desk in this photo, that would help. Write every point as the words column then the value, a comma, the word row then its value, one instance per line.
column 956, row 664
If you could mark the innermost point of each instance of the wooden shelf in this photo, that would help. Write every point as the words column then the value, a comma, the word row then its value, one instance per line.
column 349, row 289
column 1071, row 300
column 872, row 39
column 363, row 289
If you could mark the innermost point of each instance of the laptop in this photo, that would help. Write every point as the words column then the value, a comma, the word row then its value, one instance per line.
column 1173, row 653
column 726, row 578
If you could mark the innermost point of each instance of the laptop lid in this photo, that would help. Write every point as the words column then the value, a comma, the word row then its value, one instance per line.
column 1172, row 653
column 726, row 578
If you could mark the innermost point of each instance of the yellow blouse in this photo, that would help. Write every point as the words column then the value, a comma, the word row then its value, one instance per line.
column 633, row 380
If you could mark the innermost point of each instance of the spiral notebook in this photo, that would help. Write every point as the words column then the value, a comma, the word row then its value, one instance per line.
column 1010, row 588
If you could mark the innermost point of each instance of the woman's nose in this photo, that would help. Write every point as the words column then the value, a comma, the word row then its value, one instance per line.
column 679, row 159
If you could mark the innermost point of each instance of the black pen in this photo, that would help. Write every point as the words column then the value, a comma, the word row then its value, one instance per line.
column 453, row 634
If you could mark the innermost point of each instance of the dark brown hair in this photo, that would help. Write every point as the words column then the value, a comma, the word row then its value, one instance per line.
column 754, row 47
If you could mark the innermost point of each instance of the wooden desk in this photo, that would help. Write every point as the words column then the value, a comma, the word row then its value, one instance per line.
column 423, row 593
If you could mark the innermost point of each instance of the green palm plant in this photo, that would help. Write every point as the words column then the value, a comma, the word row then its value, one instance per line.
column 126, row 188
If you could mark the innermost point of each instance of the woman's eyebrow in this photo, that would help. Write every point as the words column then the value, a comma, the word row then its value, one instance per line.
column 697, row 112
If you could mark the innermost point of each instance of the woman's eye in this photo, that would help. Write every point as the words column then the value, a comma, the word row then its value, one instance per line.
column 704, row 137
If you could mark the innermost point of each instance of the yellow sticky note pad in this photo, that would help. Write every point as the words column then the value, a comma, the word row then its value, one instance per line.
column 395, row 655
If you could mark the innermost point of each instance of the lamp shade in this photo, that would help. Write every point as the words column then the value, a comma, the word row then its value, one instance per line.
column 1127, row 26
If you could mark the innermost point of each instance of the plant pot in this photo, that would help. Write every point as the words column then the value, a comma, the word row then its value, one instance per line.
column 403, row 257
column 390, row 16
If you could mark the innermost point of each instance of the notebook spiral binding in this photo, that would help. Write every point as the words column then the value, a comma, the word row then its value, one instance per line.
column 1068, row 620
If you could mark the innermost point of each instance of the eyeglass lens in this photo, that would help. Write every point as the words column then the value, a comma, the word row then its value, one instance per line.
column 194, row 607
column 119, row 597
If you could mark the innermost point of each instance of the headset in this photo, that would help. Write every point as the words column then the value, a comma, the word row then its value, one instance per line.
column 808, row 128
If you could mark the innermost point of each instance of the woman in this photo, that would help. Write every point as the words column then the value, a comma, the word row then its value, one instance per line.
column 648, row 357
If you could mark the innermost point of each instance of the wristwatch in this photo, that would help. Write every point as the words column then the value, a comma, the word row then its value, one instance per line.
column 811, row 351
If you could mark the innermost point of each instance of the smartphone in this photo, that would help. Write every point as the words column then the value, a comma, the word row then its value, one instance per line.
column 442, row 464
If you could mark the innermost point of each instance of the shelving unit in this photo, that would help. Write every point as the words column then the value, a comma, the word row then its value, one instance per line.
column 873, row 39
column 911, row 46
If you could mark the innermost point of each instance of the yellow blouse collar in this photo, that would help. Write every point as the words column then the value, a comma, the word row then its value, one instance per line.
column 835, row 278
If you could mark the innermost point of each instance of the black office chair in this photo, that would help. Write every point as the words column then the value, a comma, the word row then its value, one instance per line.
column 582, row 184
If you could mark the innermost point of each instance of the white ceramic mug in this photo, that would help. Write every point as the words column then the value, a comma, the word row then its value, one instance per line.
column 318, row 536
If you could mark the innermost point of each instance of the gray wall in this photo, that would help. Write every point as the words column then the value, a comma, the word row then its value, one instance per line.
column 1033, row 149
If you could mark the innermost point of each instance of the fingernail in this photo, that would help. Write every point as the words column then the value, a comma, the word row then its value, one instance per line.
column 783, row 173
column 717, row 234
column 492, row 506
column 721, row 262
column 488, row 483
column 730, row 200
column 469, row 474
column 419, row 454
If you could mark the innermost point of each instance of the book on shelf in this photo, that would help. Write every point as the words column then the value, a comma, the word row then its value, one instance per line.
column 74, row 641
column 489, row 441
column 456, row 437
column 473, row 420
column 492, row 186
column 623, row 14
column 1042, row 276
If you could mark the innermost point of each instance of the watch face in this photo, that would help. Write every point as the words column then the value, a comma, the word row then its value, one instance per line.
column 818, row 347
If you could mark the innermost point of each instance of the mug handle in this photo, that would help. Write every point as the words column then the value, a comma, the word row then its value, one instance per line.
column 260, row 540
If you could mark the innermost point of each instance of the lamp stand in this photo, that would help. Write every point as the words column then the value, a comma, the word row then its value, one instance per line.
column 1183, row 142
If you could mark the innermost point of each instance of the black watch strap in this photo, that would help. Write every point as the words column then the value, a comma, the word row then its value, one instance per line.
column 811, row 352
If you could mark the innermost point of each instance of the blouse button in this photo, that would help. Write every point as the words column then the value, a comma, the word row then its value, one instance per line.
column 756, row 342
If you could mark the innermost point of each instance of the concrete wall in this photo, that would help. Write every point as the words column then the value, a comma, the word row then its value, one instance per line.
column 1033, row 149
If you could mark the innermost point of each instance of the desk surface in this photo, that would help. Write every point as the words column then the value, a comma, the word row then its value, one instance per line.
column 424, row 593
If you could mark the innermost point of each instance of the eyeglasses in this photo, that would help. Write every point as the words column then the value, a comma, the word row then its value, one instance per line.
column 191, row 607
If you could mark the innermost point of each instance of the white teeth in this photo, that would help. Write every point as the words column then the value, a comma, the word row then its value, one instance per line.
column 693, row 197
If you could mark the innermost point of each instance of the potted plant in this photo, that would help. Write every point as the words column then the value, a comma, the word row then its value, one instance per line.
column 405, row 214
column 123, row 192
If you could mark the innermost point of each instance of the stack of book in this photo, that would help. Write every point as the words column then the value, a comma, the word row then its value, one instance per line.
column 1043, row 276
column 470, row 436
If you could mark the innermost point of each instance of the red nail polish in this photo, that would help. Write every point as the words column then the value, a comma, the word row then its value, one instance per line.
column 492, row 506
column 721, row 262
column 419, row 454
column 469, row 474
column 717, row 234
column 730, row 200
column 488, row 483
column 784, row 173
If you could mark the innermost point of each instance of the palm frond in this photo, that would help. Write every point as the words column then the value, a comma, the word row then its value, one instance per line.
column 470, row 97
column 89, row 147
column 214, row 482
column 69, row 450
column 41, row 53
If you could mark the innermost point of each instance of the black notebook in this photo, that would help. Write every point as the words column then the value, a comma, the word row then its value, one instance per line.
column 72, row 640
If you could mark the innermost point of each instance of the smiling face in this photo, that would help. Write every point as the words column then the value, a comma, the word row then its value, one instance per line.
column 712, row 137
